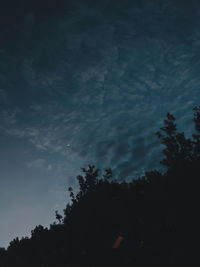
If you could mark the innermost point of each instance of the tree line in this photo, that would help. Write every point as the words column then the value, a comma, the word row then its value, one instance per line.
column 151, row 221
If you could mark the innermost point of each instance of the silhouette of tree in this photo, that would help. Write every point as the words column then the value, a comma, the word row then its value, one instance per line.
column 178, row 149
column 151, row 221
column 59, row 217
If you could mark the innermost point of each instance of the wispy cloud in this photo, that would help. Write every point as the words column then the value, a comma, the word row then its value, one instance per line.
column 105, row 87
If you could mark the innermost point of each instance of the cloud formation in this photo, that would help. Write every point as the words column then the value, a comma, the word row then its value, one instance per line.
column 104, row 83
column 93, row 84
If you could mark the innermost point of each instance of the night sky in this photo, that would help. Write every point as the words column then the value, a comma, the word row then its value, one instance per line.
column 87, row 82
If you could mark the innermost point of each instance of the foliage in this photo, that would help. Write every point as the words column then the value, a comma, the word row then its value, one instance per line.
column 157, row 215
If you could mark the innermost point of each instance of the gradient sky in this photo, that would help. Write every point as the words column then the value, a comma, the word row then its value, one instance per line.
column 88, row 82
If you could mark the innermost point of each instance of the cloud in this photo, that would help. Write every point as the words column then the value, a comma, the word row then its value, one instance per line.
column 104, row 84
column 9, row 116
column 38, row 163
column 100, row 79
column 3, row 96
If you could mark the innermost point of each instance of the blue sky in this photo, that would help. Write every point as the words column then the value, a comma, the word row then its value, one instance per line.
column 86, row 84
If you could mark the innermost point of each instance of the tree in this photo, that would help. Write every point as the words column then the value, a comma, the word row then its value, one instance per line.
column 196, row 136
column 155, row 215
column 178, row 149
column 59, row 217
